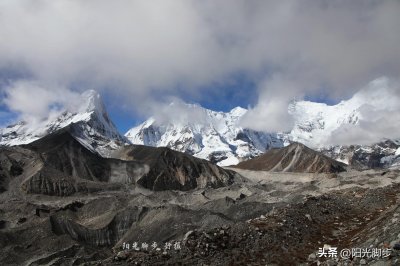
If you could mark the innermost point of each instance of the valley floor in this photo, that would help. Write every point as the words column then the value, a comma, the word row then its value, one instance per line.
column 262, row 218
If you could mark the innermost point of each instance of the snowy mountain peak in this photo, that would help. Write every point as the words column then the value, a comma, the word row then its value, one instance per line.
column 215, row 136
column 90, row 125
column 238, row 111
column 218, row 136
column 320, row 125
column 92, row 101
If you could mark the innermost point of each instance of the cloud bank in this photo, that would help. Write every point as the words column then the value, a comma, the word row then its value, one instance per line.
column 35, row 103
column 144, row 51
column 379, row 115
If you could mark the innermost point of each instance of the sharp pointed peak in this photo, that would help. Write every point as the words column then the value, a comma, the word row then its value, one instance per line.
column 92, row 101
column 91, row 93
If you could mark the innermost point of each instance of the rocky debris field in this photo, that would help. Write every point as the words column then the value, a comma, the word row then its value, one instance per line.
column 242, row 218
column 290, row 235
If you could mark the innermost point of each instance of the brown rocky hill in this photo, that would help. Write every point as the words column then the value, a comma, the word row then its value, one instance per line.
column 176, row 170
column 294, row 158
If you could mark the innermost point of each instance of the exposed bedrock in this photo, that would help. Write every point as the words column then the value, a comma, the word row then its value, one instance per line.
column 67, row 163
column 42, row 184
column 294, row 158
column 12, row 162
column 171, row 170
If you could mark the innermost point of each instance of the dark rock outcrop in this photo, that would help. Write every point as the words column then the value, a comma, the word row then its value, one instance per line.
column 12, row 161
column 61, row 151
column 69, row 167
column 178, row 171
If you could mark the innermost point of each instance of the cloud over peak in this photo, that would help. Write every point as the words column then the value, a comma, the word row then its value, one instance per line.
column 144, row 51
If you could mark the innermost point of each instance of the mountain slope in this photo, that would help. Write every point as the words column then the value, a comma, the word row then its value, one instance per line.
column 323, row 126
column 294, row 158
column 169, row 169
column 384, row 154
column 90, row 124
column 66, row 167
column 320, row 125
column 314, row 123
column 216, row 137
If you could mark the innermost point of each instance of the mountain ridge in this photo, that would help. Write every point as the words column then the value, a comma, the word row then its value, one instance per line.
column 68, row 167
column 218, row 138
column 90, row 125
column 316, row 125
column 295, row 157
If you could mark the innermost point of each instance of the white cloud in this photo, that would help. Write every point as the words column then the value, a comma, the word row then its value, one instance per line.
column 271, row 112
column 179, row 112
column 379, row 115
column 143, row 50
column 35, row 102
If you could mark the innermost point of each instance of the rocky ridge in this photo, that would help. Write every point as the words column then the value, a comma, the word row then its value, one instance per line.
column 294, row 158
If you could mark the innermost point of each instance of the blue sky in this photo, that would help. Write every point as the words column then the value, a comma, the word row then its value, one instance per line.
column 223, row 96
column 220, row 54
column 239, row 90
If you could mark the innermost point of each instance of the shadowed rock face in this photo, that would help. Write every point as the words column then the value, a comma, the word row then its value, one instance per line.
column 12, row 161
column 293, row 158
column 175, row 170
column 63, row 167
column 109, row 234
column 68, row 168
column 64, row 153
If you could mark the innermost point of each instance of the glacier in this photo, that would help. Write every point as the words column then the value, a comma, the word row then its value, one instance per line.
column 218, row 138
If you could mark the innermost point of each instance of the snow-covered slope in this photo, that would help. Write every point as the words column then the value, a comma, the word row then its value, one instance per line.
column 220, row 138
column 217, row 138
column 384, row 154
column 89, row 124
column 319, row 125
column 316, row 122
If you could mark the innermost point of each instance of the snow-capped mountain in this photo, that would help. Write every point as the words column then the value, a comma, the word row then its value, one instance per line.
column 314, row 123
column 218, row 137
column 90, row 125
column 384, row 154
column 319, row 125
